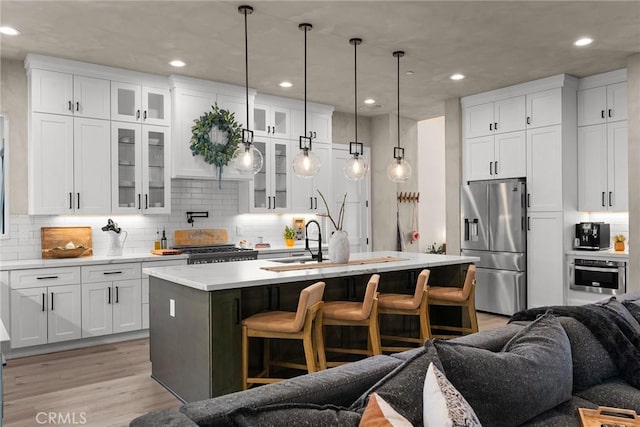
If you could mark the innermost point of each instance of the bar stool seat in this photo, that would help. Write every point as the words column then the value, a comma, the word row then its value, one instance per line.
column 408, row 305
column 348, row 313
column 460, row 297
column 304, row 324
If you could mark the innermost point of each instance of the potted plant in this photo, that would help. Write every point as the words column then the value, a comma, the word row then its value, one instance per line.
column 618, row 242
column 289, row 236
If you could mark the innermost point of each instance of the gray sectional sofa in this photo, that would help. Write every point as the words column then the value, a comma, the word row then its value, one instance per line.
column 533, row 373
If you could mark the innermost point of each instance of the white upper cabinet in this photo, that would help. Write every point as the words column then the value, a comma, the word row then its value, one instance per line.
column 318, row 126
column 479, row 155
column 495, row 156
column 544, row 108
column 270, row 189
column 618, row 166
column 506, row 115
column 304, row 191
column 271, row 121
column 140, row 104
column 91, row 166
column 61, row 93
column 602, row 104
column 544, row 169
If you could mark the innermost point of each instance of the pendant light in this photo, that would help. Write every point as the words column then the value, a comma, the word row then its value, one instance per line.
column 305, row 164
column 357, row 166
column 399, row 169
column 247, row 159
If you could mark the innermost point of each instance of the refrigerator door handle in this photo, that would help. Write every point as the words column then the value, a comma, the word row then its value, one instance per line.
column 466, row 229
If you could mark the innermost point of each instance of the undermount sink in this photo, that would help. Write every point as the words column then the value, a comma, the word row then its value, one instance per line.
column 293, row 260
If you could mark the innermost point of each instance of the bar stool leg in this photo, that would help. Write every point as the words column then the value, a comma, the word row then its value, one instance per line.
column 473, row 318
column 245, row 357
column 309, row 353
column 425, row 327
column 374, row 335
column 319, row 339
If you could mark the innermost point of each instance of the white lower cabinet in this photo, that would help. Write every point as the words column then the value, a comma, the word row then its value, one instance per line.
column 111, row 307
column 545, row 259
column 44, row 315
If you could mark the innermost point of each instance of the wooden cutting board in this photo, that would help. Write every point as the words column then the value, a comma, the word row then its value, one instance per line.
column 200, row 237
column 281, row 268
column 166, row 251
column 58, row 237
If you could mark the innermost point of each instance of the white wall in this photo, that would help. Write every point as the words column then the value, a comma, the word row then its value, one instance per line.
column 431, row 183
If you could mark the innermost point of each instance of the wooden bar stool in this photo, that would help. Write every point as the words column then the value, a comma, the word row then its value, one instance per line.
column 285, row 325
column 462, row 297
column 408, row 305
column 348, row 313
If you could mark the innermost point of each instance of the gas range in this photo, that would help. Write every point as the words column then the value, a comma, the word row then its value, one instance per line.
column 216, row 253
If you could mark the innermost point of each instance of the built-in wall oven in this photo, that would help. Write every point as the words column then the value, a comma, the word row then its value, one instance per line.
column 598, row 276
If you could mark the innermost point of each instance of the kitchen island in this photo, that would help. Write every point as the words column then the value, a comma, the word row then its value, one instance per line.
column 196, row 310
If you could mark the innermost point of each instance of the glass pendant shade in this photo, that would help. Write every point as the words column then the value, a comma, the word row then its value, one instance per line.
column 306, row 164
column 399, row 170
column 356, row 168
column 247, row 159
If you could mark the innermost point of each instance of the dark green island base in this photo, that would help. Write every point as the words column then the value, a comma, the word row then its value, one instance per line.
column 196, row 354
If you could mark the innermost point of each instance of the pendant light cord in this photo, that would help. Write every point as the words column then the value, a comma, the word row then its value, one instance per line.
column 305, row 81
column 246, row 64
column 398, row 56
column 355, row 86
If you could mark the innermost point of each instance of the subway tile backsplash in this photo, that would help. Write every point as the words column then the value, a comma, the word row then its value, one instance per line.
column 186, row 195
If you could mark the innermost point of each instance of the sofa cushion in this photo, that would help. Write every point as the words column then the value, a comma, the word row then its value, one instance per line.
column 379, row 413
column 532, row 373
column 592, row 364
column 443, row 404
column 294, row 414
column 494, row 339
column 164, row 417
column 615, row 393
column 401, row 387
column 618, row 308
column 339, row 386
column 563, row 415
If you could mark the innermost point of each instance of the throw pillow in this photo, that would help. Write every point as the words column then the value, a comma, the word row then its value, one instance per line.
column 294, row 414
column 532, row 373
column 617, row 307
column 444, row 406
column 401, row 387
column 379, row 413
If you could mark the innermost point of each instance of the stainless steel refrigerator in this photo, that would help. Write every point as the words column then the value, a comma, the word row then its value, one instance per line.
column 493, row 215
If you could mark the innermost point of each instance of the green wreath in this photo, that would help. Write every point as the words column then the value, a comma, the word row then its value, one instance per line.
column 216, row 152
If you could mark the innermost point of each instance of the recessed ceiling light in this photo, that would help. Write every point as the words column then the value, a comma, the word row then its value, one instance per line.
column 369, row 101
column 286, row 84
column 9, row 31
column 177, row 63
column 585, row 41
column 457, row 76
column 409, row 73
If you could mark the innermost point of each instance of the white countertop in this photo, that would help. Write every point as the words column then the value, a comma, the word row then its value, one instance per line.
column 605, row 254
column 232, row 275
column 89, row 260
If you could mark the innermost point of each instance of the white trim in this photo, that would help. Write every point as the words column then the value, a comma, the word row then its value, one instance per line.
column 200, row 85
column 560, row 80
column 598, row 80
column 292, row 103
column 51, row 63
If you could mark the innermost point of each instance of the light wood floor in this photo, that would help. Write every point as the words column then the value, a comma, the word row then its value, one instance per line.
column 110, row 384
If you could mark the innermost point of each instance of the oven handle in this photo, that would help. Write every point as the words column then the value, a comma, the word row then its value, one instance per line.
column 572, row 274
column 601, row 269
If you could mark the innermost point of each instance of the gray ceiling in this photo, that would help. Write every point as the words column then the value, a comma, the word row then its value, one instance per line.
column 495, row 44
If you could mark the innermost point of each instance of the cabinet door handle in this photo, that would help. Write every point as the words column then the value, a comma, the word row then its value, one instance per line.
column 46, row 277
column 310, row 202
column 117, row 294
column 112, row 272
column 268, row 130
column 109, row 295
column 144, row 115
column 490, row 168
column 51, row 301
column 610, row 197
column 603, row 204
column 139, row 202
column 137, row 114
column 528, row 120
column 237, row 300
column 602, row 113
column 78, row 194
column 43, row 300
column 528, row 200
column 310, row 134
column 77, row 106
column 522, row 223
column 146, row 201
column 495, row 126
column 70, row 106
column 490, row 126
column 528, row 223
column 70, row 200
column 495, row 168
column 315, row 135
column 610, row 112
column 316, row 200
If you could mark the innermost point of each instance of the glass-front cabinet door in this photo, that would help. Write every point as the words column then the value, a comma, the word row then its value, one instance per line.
column 261, row 121
column 155, row 175
column 155, row 106
column 271, row 185
column 126, row 156
column 125, row 102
